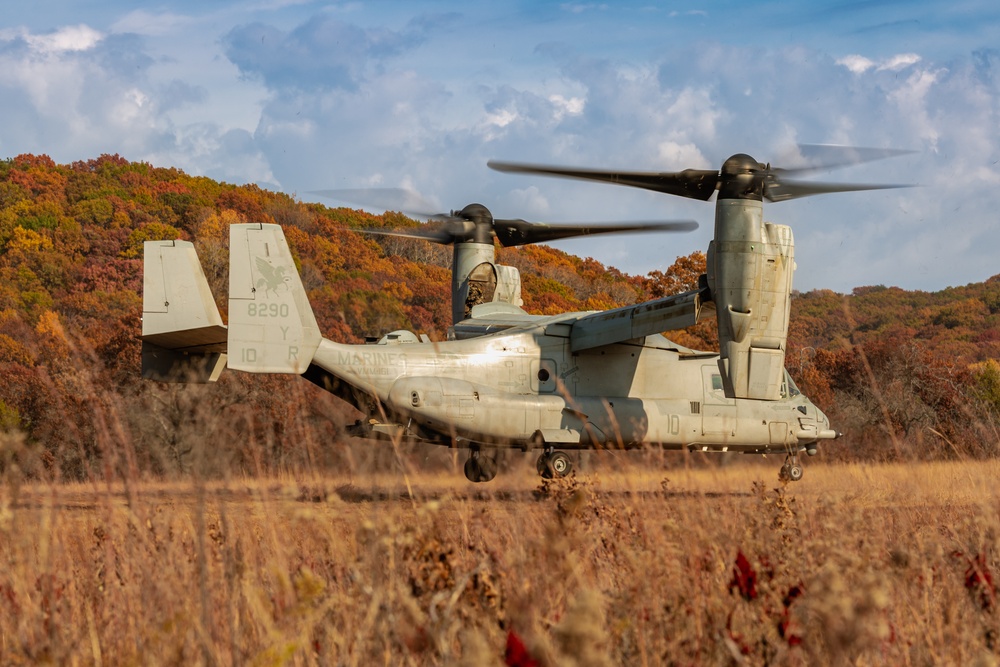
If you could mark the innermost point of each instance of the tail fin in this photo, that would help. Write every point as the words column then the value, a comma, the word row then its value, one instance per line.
column 183, row 337
column 272, row 328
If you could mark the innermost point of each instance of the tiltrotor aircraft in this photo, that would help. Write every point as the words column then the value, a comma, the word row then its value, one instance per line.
column 505, row 378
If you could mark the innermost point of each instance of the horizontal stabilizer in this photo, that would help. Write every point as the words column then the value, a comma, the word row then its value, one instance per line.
column 165, row 365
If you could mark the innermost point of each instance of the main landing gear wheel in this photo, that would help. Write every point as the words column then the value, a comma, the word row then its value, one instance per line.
column 487, row 469
column 791, row 471
column 480, row 468
column 554, row 464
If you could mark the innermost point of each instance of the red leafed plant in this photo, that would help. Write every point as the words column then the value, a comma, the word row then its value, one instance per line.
column 744, row 579
column 786, row 629
column 979, row 582
column 517, row 654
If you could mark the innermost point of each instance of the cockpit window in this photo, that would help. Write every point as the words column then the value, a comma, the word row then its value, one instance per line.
column 788, row 388
column 716, row 382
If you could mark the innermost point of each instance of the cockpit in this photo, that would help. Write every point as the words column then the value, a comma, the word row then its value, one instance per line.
column 788, row 388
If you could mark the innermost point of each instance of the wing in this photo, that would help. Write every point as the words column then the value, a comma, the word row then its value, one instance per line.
column 615, row 326
column 489, row 318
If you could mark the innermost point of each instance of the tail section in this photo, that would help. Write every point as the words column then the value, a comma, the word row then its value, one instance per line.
column 183, row 337
column 272, row 328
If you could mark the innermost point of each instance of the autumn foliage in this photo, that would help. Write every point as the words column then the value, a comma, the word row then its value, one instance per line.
column 916, row 370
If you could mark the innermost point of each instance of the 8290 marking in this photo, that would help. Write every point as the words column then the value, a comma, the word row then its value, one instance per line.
column 267, row 310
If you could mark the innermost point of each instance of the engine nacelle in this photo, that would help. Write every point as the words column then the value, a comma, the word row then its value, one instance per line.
column 750, row 267
column 478, row 279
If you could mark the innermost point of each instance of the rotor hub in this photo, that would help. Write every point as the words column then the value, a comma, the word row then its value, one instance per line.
column 742, row 177
column 482, row 221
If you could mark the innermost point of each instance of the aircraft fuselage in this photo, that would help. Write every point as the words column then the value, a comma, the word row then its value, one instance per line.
column 525, row 388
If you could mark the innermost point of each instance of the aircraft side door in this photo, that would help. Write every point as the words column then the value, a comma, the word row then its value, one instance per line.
column 542, row 379
column 718, row 413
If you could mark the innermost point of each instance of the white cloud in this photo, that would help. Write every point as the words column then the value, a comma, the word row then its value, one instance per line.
column 695, row 112
column 681, row 156
column 572, row 106
column 129, row 106
column 302, row 128
column 63, row 40
column 899, row 62
column 501, row 118
column 527, row 201
column 75, row 93
column 859, row 64
column 912, row 100
column 986, row 176
column 382, row 98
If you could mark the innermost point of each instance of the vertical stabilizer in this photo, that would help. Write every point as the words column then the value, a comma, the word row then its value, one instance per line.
column 183, row 337
column 272, row 328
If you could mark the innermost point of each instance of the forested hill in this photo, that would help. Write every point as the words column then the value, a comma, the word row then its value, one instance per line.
column 71, row 240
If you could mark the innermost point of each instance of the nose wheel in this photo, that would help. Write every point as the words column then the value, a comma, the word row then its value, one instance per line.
column 480, row 468
column 554, row 464
column 791, row 471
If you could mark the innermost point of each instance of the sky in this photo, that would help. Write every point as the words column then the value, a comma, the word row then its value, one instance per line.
column 300, row 96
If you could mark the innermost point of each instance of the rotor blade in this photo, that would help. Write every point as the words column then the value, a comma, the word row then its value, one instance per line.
column 433, row 235
column 782, row 190
column 692, row 183
column 521, row 232
column 824, row 157
column 387, row 199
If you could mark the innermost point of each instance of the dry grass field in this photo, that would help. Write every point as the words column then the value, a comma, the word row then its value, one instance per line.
column 624, row 564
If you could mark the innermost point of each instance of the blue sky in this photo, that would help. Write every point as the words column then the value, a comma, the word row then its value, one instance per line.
column 299, row 96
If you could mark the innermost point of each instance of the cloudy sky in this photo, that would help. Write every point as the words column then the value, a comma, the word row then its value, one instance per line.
column 299, row 96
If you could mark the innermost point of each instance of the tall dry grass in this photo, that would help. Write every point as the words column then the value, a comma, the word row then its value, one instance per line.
column 287, row 546
column 623, row 564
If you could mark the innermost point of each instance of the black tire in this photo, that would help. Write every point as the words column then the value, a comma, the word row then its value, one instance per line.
column 542, row 466
column 473, row 470
column 795, row 473
column 559, row 464
column 487, row 469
